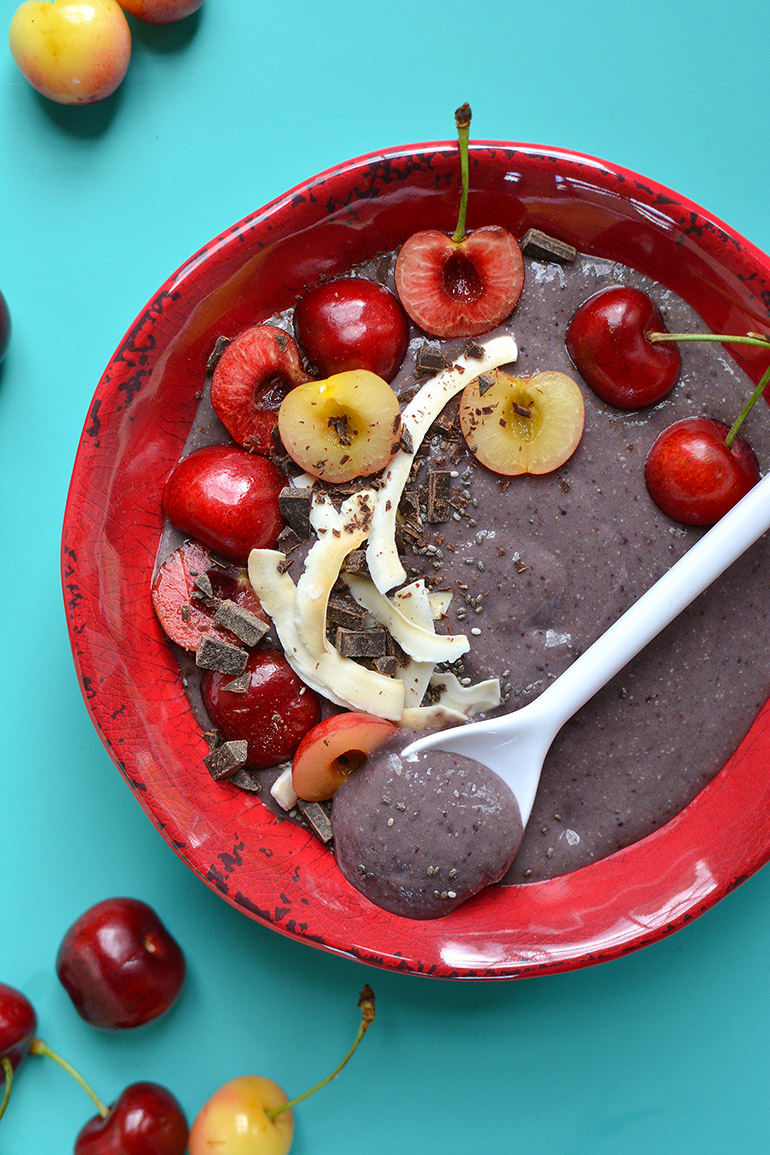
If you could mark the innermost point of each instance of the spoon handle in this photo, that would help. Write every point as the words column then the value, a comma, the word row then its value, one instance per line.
column 703, row 563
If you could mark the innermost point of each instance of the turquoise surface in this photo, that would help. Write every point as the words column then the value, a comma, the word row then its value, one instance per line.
column 665, row 1050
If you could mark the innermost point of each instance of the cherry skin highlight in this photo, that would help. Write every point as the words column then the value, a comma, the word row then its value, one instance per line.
column 693, row 477
column 352, row 323
column 119, row 964
column 607, row 341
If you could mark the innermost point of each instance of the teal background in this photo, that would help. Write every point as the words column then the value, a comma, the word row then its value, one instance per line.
column 665, row 1050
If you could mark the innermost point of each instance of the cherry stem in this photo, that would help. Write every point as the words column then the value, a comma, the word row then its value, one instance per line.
column 463, row 122
column 366, row 1003
column 38, row 1047
column 7, row 1066
column 725, row 339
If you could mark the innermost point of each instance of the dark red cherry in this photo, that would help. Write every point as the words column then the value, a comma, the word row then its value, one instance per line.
column 145, row 1120
column 227, row 498
column 693, row 477
column 274, row 713
column 607, row 342
column 18, row 1024
column 352, row 323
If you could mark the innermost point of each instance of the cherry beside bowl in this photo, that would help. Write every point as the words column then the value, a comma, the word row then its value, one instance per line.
column 134, row 433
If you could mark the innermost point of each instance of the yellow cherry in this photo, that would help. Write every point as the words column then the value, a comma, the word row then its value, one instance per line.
column 73, row 53
column 235, row 1120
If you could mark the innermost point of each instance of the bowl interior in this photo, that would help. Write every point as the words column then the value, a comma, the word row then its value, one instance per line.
column 134, row 434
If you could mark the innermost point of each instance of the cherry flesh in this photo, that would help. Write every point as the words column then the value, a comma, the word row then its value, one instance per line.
column 183, row 608
column 352, row 323
column 693, row 477
column 227, row 498
column 5, row 326
column 274, row 713
column 119, row 964
column 607, row 341
column 251, row 379
column 18, row 1024
column 466, row 284
column 145, row 1120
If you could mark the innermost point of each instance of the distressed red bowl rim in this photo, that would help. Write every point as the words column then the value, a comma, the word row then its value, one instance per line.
column 134, row 432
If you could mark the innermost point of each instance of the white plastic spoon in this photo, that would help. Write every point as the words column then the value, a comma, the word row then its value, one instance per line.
column 515, row 745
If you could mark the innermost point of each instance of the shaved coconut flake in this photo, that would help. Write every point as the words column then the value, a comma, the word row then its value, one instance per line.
column 283, row 791
column 414, row 603
column 381, row 554
column 436, row 717
column 440, row 601
column 339, row 679
column 468, row 700
column 423, row 644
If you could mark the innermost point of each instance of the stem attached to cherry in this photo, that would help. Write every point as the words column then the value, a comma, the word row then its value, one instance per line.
column 7, row 1067
column 725, row 339
column 463, row 122
column 366, row 1003
column 38, row 1047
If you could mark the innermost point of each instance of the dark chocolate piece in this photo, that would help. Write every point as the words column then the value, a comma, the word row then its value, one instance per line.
column 542, row 247
column 361, row 643
column 203, row 583
column 220, row 345
column 295, row 504
column 212, row 654
column 473, row 350
column 344, row 611
column 284, row 565
column 239, row 685
column 224, row 760
column 439, row 493
column 355, row 563
column 247, row 779
column 406, row 442
column 241, row 622
column 287, row 540
column 430, row 361
column 317, row 819
column 387, row 665
column 485, row 382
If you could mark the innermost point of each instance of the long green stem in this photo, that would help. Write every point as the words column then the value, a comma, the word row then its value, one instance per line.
column 5, row 1062
column 463, row 122
column 40, row 1048
column 747, row 408
column 723, row 338
column 366, row 1003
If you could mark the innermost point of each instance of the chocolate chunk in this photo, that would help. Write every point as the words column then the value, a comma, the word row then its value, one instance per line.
column 361, row 643
column 344, row 611
column 203, row 583
column 238, row 685
column 317, row 819
column 284, row 565
column 220, row 345
column 406, row 442
column 485, row 382
column 224, row 760
column 243, row 623
column 185, row 613
column 542, row 247
column 355, row 563
column 212, row 654
column 287, row 540
column 474, row 351
column 439, row 493
column 430, row 361
column 295, row 504
column 341, row 427
column 247, row 779
column 387, row 665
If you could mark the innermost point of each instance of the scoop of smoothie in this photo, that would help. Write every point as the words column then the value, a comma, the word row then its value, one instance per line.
column 419, row 835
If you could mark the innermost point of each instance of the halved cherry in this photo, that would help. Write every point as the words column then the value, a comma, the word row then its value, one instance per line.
column 181, row 600
column 522, row 424
column 344, row 427
column 251, row 379
column 332, row 750
column 466, row 284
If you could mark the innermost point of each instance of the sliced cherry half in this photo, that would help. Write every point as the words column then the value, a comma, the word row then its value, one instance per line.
column 330, row 752
column 352, row 323
column 251, row 378
column 608, row 342
column 181, row 598
column 466, row 284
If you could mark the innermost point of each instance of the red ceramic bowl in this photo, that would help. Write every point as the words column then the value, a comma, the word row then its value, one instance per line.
column 134, row 433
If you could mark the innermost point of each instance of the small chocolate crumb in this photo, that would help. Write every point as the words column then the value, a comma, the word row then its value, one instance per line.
column 212, row 654
column 430, row 361
column 284, row 564
column 355, row 562
column 220, row 345
column 226, row 759
column 542, row 247
column 185, row 613
column 439, row 493
column 317, row 819
column 485, row 382
column 406, row 442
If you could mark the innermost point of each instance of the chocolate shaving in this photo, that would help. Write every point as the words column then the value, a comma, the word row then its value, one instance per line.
column 243, row 623
column 355, row 563
column 361, row 643
column 406, row 442
column 522, row 410
column 287, row 540
column 203, row 583
column 317, row 819
column 439, row 493
column 542, row 247
column 223, row 761
column 220, row 345
column 213, row 654
column 485, row 382
column 185, row 613
column 284, row 564
column 294, row 504
column 340, row 426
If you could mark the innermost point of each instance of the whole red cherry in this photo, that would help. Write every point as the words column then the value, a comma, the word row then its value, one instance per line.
column 691, row 474
column 607, row 341
column 145, row 1120
column 227, row 498
column 352, row 323
column 18, row 1024
column 119, row 964
column 274, row 713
